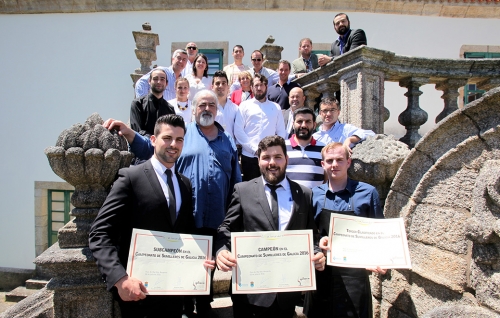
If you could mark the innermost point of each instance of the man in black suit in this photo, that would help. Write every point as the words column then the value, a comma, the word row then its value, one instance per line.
column 151, row 196
column 251, row 209
column 348, row 39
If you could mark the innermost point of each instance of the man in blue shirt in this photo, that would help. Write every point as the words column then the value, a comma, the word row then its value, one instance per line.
column 342, row 292
column 209, row 159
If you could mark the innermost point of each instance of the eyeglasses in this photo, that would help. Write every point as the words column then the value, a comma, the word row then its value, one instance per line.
column 256, row 60
column 331, row 110
column 192, row 48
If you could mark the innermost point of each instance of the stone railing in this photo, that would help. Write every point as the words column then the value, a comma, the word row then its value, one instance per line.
column 360, row 76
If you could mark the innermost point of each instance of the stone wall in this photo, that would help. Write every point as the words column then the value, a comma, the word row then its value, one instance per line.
column 448, row 192
column 455, row 9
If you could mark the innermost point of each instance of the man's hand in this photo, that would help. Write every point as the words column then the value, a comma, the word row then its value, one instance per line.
column 323, row 244
column 121, row 127
column 319, row 261
column 377, row 270
column 130, row 289
column 225, row 261
column 324, row 59
column 209, row 264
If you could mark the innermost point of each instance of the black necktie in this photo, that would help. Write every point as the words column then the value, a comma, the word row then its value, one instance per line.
column 274, row 204
column 171, row 196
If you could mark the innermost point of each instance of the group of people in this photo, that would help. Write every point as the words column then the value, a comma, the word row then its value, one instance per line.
column 184, row 131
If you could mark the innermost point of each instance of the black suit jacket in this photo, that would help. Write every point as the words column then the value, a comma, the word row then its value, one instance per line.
column 249, row 212
column 356, row 38
column 143, row 113
column 136, row 200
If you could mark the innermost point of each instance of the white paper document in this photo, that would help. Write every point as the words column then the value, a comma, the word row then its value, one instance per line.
column 273, row 261
column 170, row 263
column 360, row 242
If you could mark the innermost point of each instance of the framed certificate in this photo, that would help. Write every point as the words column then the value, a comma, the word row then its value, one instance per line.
column 170, row 263
column 273, row 261
column 360, row 242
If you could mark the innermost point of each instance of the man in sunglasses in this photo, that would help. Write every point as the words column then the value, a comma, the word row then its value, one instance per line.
column 192, row 50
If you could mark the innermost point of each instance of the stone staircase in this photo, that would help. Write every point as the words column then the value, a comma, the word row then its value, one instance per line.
column 10, row 298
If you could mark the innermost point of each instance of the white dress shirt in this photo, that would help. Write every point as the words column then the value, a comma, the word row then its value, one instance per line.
column 205, row 83
column 162, row 178
column 285, row 202
column 256, row 120
column 228, row 116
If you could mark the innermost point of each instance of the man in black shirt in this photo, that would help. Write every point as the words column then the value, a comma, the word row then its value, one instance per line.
column 145, row 110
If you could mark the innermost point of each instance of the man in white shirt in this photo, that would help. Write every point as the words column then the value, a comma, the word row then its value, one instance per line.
column 225, row 105
column 192, row 50
column 333, row 131
column 234, row 69
column 256, row 118
column 179, row 60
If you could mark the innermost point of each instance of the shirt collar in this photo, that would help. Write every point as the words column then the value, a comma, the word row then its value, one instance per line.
column 219, row 128
column 159, row 167
column 349, row 187
column 295, row 144
column 284, row 183
column 331, row 128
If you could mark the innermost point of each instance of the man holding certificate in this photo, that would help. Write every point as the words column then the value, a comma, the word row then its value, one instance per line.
column 270, row 202
column 152, row 196
column 342, row 291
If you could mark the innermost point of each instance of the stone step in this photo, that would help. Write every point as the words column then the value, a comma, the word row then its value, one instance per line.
column 35, row 283
column 221, row 282
column 222, row 308
column 19, row 294
column 4, row 305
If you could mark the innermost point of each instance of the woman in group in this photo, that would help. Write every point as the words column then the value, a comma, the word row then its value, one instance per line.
column 199, row 79
column 245, row 93
column 181, row 103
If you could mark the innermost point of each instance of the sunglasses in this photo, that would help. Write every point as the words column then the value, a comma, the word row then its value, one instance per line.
column 256, row 60
column 192, row 48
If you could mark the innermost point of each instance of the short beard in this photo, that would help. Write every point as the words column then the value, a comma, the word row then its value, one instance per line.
column 303, row 136
column 271, row 178
column 156, row 91
column 205, row 121
column 262, row 96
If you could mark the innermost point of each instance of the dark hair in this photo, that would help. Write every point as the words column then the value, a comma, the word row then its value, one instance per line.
column 239, row 46
column 329, row 101
column 305, row 110
column 200, row 55
column 261, row 77
column 285, row 62
column 219, row 73
column 257, row 51
column 271, row 141
column 341, row 14
column 170, row 119
column 306, row 39
column 157, row 69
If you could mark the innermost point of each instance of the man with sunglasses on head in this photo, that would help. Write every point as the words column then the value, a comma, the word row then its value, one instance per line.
column 192, row 50
column 332, row 130
column 179, row 60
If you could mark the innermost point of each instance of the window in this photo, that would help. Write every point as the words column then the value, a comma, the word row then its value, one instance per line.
column 59, row 207
column 215, row 59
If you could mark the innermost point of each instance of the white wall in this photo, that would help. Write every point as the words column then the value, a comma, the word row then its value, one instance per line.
column 57, row 69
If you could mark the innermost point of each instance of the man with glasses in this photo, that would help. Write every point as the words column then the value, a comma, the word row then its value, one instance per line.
column 179, row 60
column 333, row 131
column 192, row 50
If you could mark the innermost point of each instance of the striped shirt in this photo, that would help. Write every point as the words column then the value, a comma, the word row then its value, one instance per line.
column 304, row 164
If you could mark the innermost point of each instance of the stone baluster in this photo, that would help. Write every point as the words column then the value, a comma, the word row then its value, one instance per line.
column 450, row 94
column 413, row 116
column 311, row 95
column 328, row 88
column 272, row 53
column 362, row 98
column 145, row 51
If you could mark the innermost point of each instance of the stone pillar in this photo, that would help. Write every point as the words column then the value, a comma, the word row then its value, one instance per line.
column 450, row 94
column 272, row 54
column 146, row 43
column 362, row 98
column 328, row 88
column 88, row 157
column 311, row 95
column 413, row 116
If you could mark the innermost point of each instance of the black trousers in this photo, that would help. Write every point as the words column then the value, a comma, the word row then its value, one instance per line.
column 244, row 310
column 151, row 307
column 250, row 168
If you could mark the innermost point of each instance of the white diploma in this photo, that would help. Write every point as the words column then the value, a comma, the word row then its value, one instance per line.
column 360, row 242
column 273, row 261
column 170, row 263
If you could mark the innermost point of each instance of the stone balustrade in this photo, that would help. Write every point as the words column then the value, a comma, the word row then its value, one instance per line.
column 360, row 76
